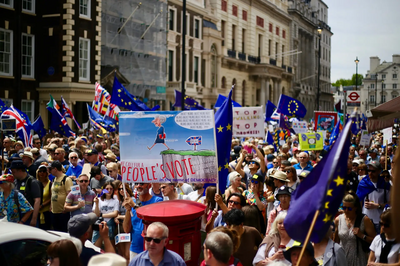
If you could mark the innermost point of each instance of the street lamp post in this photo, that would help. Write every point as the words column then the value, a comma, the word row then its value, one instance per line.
column 356, row 69
column 319, row 64
column 183, row 71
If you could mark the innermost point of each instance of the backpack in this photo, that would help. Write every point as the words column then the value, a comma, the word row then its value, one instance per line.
column 16, row 200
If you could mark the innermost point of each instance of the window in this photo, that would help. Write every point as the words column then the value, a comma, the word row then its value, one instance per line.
column 196, row 70
column 276, row 51
column 372, row 86
column 84, row 8
column 233, row 37
column 383, row 86
column 171, row 22
column 6, row 45
column 277, row 31
column 197, row 28
column 234, row 10
column 28, row 51
column 244, row 15
column 243, row 40
column 28, row 5
column 84, row 56
column 269, row 47
column 394, row 86
column 383, row 98
column 170, row 65
column 283, row 34
column 395, row 76
column 224, row 5
column 9, row 3
column 383, row 76
column 283, row 56
column 260, row 22
column 223, row 83
column 372, row 98
column 28, row 107
column 270, row 27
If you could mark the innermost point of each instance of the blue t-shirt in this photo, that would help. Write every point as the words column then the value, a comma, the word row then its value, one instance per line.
column 137, row 226
column 74, row 170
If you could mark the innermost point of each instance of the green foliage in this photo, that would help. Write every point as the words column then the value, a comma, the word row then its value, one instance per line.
column 349, row 82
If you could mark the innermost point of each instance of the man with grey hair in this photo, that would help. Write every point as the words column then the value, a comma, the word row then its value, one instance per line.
column 218, row 249
column 156, row 254
column 304, row 164
column 160, row 138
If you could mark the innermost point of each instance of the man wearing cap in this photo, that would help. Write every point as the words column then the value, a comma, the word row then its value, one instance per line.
column 99, row 140
column 293, row 254
column 98, row 179
column 27, row 160
column 14, row 206
column 29, row 187
column 156, row 253
column 75, row 202
column 374, row 191
column 304, row 163
column 280, row 179
column 283, row 195
column 92, row 156
column 39, row 159
column 373, row 155
column 59, row 191
column 38, row 145
column 255, row 166
column 80, row 226
column 74, row 169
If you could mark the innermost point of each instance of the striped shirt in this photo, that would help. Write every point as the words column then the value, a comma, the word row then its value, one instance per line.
column 74, row 200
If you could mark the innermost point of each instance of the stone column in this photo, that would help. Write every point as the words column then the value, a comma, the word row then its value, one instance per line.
column 267, row 92
column 262, row 93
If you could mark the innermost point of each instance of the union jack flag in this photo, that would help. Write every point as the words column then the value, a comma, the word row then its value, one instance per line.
column 23, row 124
column 68, row 113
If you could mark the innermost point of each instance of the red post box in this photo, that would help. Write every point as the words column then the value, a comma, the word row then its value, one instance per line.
column 183, row 218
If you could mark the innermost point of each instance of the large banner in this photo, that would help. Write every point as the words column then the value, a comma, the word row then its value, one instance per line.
column 311, row 141
column 248, row 122
column 168, row 147
column 325, row 120
column 299, row 126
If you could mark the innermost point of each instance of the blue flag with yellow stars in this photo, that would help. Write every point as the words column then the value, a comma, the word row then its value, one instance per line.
column 269, row 110
column 291, row 107
column 223, row 129
column 270, row 140
column 121, row 97
column 190, row 103
column 3, row 107
column 355, row 124
column 334, row 134
column 221, row 99
column 38, row 127
column 323, row 189
column 96, row 119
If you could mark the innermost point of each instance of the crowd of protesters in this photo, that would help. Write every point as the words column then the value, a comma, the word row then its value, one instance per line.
column 249, row 220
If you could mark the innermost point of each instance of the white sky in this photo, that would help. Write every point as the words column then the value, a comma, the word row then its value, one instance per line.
column 362, row 28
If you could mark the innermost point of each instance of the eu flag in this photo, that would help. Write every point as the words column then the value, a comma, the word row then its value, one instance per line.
column 223, row 129
column 323, row 190
column 38, row 127
column 270, row 140
column 269, row 110
column 121, row 97
column 364, row 121
column 3, row 107
column 334, row 134
column 190, row 103
column 355, row 124
column 291, row 107
column 221, row 99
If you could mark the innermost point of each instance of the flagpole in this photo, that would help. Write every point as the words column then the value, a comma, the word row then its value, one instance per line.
column 386, row 164
column 308, row 237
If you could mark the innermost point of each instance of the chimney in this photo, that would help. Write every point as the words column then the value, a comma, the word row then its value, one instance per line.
column 374, row 62
column 396, row 58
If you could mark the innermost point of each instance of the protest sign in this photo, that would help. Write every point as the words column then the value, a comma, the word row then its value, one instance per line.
column 387, row 135
column 280, row 136
column 75, row 190
column 311, row 141
column 168, row 146
column 248, row 122
column 325, row 120
column 365, row 137
column 299, row 126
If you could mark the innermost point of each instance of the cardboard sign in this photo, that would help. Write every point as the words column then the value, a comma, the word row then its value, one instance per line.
column 365, row 137
column 122, row 238
column 325, row 120
column 387, row 135
column 161, row 152
column 248, row 122
column 311, row 141
column 75, row 190
column 299, row 126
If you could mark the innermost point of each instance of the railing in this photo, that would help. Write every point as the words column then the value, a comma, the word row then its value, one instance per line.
column 289, row 69
column 242, row 56
column 272, row 61
column 252, row 59
column 232, row 53
column 284, row 66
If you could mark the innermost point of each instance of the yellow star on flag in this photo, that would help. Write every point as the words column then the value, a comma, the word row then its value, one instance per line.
column 327, row 218
column 327, row 205
column 122, row 100
column 228, row 127
column 226, row 166
column 129, row 103
column 126, row 103
column 119, row 90
column 329, row 193
column 220, row 128
column 219, row 168
column 339, row 181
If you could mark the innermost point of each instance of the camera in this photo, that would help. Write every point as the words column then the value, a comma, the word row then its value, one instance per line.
column 96, row 224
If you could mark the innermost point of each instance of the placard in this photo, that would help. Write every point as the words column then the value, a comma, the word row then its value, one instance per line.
column 8, row 124
column 164, row 146
column 300, row 126
column 325, row 121
column 75, row 190
column 122, row 238
column 387, row 135
column 311, row 141
column 248, row 122
column 365, row 138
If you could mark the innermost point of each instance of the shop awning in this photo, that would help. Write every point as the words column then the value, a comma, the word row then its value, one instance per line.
column 383, row 115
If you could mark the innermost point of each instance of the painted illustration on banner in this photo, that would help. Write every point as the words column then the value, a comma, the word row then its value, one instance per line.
column 185, row 152
column 248, row 122
column 280, row 136
column 311, row 141
column 325, row 120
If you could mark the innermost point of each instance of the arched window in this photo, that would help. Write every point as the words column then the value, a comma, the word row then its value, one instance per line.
column 243, row 93
column 223, row 83
column 213, row 66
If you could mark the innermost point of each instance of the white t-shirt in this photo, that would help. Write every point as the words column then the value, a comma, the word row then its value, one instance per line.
column 376, row 196
column 186, row 188
column 107, row 206
column 194, row 196
column 261, row 253
column 377, row 245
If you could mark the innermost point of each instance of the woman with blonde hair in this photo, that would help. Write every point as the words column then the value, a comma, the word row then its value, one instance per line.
column 235, row 184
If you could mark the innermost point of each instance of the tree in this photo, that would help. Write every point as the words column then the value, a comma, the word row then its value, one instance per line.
column 349, row 82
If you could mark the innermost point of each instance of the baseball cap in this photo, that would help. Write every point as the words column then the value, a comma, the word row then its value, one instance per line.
column 259, row 177
column 373, row 151
column 91, row 151
column 375, row 164
column 99, row 136
column 56, row 164
column 284, row 190
column 79, row 224
column 7, row 178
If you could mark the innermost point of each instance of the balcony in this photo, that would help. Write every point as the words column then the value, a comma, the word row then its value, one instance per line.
column 272, row 61
column 284, row 67
column 253, row 59
column 232, row 53
column 242, row 56
column 290, row 70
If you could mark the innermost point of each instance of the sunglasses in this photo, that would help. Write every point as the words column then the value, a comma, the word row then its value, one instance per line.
column 42, row 171
column 139, row 184
column 347, row 208
column 156, row 240
column 254, row 181
column 83, row 181
column 370, row 170
column 73, row 157
column 121, row 189
column 302, row 157
column 163, row 187
column 36, row 143
column 384, row 225
column 56, row 153
column 234, row 202
column 274, row 162
column 252, row 162
column 287, row 171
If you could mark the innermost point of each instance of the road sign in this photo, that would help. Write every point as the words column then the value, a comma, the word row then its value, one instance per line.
column 194, row 141
column 353, row 98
